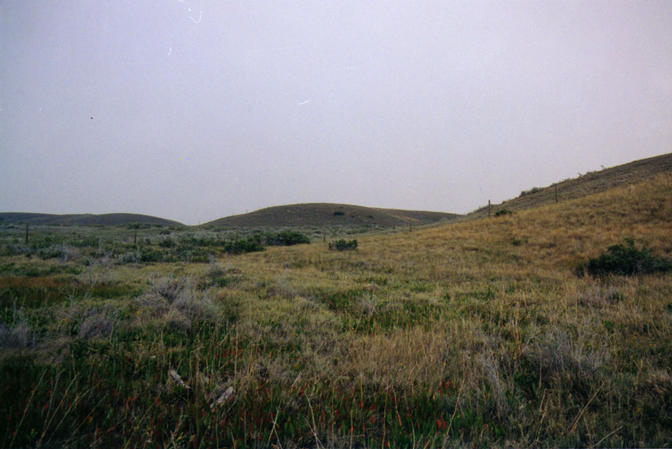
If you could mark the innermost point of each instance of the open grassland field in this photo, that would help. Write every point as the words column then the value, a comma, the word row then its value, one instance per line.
column 468, row 334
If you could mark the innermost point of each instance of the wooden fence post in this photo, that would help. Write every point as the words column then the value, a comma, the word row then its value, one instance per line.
column 556, row 193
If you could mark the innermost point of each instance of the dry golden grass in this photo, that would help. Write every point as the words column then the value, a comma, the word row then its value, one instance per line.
column 588, row 184
column 526, row 263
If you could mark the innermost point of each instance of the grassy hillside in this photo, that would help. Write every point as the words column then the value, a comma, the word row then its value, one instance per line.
column 83, row 219
column 324, row 214
column 588, row 184
column 469, row 334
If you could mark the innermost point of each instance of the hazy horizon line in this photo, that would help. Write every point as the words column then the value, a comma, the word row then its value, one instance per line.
column 602, row 168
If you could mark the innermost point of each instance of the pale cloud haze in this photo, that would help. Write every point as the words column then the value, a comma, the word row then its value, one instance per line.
column 197, row 109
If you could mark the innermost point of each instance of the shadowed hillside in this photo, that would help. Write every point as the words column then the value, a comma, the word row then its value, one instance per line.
column 588, row 184
column 325, row 214
column 83, row 219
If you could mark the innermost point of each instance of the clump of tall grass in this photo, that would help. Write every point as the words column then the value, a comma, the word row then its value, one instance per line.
column 177, row 303
column 559, row 357
column 195, row 305
column 175, row 319
column 97, row 324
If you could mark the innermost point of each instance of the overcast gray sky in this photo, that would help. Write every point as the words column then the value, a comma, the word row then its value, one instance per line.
column 197, row 109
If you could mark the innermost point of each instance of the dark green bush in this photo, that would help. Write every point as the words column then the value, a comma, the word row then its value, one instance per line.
column 339, row 213
column 193, row 241
column 46, row 242
column 241, row 246
column 625, row 260
column 190, row 253
column 167, row 243
column 151, row 255
column 343, row 245
column 502, row 212
column 531, row 191
column 286, row 238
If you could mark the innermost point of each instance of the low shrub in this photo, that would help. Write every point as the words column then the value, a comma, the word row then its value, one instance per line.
column 241, row 246
column 287, row 238
column 85, row 242
column 625, row 260
column 151, row 255
column 502, row 212
column 531, row 191
column 343, row 245
column 167, row 243
column 53, row 252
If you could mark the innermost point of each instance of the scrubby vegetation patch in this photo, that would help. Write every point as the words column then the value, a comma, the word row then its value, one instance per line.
column 626, row 260
column 531, row 191
column 343, row 245
column 286, row 238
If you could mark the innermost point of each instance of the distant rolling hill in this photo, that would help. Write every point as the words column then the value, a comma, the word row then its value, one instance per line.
column 588, row 184
column 83, row 219
column 326, row 214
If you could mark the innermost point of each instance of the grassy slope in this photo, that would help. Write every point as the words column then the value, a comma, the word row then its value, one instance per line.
column 325, row 214
column 468, row 333
column 84, row 219
column 588, row 184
